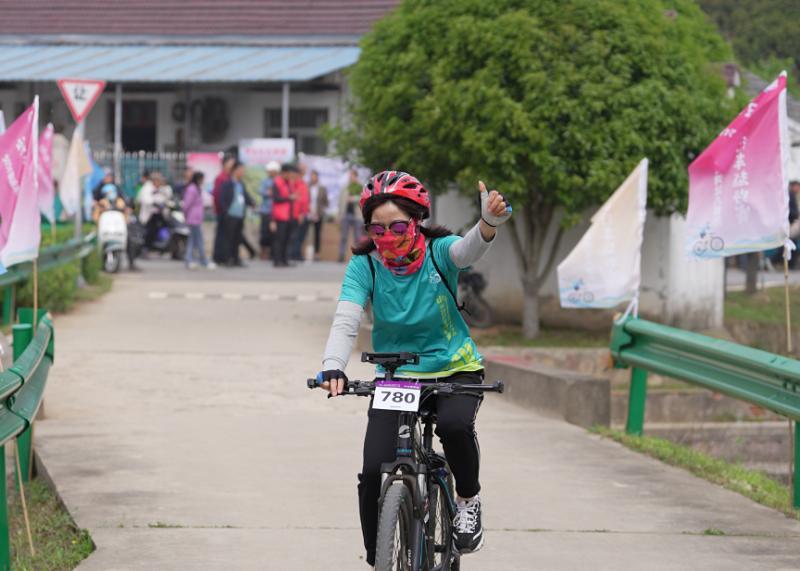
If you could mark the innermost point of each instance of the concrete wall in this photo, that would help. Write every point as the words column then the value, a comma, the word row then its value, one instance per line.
column 675, row 290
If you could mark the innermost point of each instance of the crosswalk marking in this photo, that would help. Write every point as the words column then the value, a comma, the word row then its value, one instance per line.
column 235, row 296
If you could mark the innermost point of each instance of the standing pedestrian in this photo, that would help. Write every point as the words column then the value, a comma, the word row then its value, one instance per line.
column 318, row 195
column 220, row 253
column 349, row 214
column 233, row 202
column 194, row 211
column 265, row 210
column 300, row 210
column 180, row 187
column 282, row 206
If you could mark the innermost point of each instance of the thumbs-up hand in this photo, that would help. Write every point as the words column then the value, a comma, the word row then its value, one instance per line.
column 495, row 209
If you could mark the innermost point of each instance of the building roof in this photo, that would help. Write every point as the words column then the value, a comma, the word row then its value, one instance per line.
column 172, row 64
column 198, row 18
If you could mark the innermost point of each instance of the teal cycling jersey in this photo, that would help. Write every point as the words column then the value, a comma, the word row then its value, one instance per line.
column 416, row 313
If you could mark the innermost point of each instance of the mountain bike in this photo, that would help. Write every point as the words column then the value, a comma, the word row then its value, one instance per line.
column 417, row 500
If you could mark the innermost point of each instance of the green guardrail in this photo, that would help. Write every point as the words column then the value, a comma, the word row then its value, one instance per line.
column 765, row 379
column 50, row 257
column 21, row 390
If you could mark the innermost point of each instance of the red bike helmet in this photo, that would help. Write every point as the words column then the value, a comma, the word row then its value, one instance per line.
column 396, row 183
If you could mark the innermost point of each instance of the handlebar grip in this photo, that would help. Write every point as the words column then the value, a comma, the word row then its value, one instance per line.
column 500, row 386
column 314, row 383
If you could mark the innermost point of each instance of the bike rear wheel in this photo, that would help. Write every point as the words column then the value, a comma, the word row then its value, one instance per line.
column 478, row 311
column 395, row 525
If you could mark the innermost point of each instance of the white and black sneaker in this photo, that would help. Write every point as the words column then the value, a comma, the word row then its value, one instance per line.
column 467, row 526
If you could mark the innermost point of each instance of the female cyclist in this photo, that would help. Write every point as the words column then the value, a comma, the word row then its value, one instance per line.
column 410, row 274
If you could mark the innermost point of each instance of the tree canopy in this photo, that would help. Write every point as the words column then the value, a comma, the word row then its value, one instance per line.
column 551, row 101
column 764, row 35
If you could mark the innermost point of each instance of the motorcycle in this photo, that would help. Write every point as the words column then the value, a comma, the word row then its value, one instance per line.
column 172, row 233
column 112, row 237
column 477, row 311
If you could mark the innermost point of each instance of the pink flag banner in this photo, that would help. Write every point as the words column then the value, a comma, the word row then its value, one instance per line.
column 19, row 206
column 738, row 186
column 47, row 190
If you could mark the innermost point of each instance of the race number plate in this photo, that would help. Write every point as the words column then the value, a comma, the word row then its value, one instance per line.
column 396, row 395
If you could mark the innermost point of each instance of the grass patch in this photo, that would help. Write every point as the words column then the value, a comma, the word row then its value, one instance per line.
column 92, row 292
column 60, row 546
column 750, row 483
column 765, row 306
column 511, row 336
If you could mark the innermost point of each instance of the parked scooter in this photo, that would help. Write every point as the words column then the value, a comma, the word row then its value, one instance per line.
column 477, row 311
column 172, row 234
column 112, row 235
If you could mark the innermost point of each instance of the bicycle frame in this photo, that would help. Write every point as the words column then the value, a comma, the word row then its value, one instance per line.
column 416, row 464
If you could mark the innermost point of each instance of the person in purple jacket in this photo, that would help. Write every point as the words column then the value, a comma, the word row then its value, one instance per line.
column 194, row 210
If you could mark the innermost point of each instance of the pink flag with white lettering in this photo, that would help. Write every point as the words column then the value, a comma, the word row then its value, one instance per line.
column 738, row 186
column 19, row 206
column 47, row 191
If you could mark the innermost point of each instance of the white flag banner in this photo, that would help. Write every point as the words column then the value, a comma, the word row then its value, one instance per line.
column 604, row 269
column 70, row 187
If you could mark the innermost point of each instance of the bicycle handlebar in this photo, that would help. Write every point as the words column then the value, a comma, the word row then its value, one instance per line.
column 367, row 388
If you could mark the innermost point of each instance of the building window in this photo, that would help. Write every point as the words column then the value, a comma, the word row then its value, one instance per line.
column 304, row 125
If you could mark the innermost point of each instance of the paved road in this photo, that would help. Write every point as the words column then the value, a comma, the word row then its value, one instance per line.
column 179, row 432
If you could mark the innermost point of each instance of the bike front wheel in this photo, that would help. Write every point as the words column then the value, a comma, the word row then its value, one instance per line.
column 393, row 550
column 439, row 528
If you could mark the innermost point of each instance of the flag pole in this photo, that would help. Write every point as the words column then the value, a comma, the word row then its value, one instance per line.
column 35, row 292
column 789, row 349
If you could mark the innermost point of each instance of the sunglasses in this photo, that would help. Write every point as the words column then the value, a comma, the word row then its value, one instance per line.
column 398, row 228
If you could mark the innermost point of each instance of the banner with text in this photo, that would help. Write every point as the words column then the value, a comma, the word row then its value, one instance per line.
column 254, row 152
column 77, row 166
column 19, row 205
column 47, row 191
column 604, row 269
column 738, row 186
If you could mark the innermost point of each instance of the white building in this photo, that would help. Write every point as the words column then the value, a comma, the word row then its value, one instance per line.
column 187, row 75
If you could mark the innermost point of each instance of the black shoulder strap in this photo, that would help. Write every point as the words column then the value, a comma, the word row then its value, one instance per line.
column 453, row 293
column 372, row 271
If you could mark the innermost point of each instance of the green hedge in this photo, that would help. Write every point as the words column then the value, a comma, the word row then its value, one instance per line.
column 58, row 286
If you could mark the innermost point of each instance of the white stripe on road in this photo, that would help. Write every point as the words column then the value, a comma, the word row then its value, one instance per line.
column 233, row 296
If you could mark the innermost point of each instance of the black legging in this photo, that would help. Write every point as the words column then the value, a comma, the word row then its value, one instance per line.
column 456, row 430
column 280, row 244
column 233, row 238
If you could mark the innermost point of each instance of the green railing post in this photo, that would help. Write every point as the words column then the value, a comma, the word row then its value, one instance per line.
column 5, row 538
column 8, row 304
column 636, row 401
column 23, row 335
column 796, row 483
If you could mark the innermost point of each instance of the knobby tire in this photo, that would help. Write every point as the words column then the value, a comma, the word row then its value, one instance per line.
column 395, row 529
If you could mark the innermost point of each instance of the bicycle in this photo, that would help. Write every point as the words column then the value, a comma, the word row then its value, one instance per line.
column 417, row 502
column 708, row 241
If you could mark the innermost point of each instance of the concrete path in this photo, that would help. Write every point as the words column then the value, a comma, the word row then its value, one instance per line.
column 179, row 432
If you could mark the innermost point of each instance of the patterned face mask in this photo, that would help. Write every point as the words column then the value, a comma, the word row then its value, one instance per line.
column 402, row 255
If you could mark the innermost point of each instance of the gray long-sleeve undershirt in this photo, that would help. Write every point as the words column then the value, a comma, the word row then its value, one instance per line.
column 347, row 319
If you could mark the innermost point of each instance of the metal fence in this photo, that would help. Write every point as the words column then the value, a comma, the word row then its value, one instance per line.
column 132, row 165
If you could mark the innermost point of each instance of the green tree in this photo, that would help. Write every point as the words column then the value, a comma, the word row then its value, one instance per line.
column 552, row 102
column 764, row 34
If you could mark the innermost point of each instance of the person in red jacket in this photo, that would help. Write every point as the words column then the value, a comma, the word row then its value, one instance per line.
column 302, row 206
column 282, row 210
column 220, row 254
